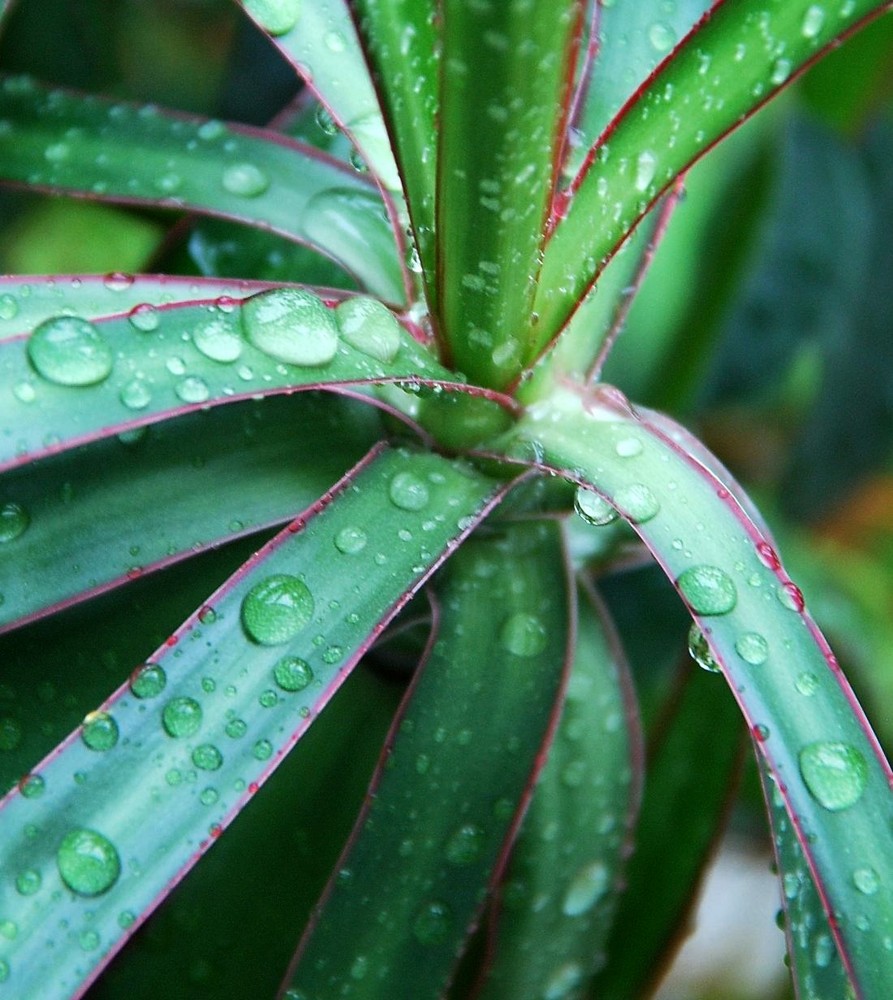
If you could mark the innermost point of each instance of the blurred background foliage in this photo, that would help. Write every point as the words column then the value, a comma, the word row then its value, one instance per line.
column 765, row 324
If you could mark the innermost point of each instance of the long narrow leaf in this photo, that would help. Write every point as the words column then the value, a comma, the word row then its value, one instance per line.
column 94, row 147
column 732, row 62
column 812, row 733
column 172, row 757
column 566, row 870
column 455, row 777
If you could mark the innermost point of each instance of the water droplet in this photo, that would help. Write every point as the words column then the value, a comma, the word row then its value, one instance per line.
column 866, row 880
column 9, row 929
column 263, row 750
column 9, row 308
column 523, row 634
column 118, row 281
column 68, row 350
column 291, row 325
column 292, row 673
column 781, row 70
column 834, row 773
column 708, row 590
column 562, row 981
column 760, row 732
column 181, row 717
column 24, row 391
column 638, row 502
column 586, row 889
column 350, row 540
column 209, row 796
column 32, row 786
column 807, row 684
column 332, row 654
column 813, row 20
column 661, row 36
column 700, row 652
column 791, row 596
column 628, row 447
column 144, row 317
column 277, row 16
column 217, row 340
column 370, row 327
column 593, row 508
column 768, row 556
column 432, row 922
column 408, row 492
column 823, row 950
column 277, row 609
column 14, row 521
column 334, row 41
column 646, row 167
column 245, row 180
column 207, row 757
column 148, row 680
column 99, row 731
column 752, row 648
column 28, row 881
column 192, row 389
column 466, row 845
column 235, row 729
column 88, row 862
column 135, row 394
column 268, row 698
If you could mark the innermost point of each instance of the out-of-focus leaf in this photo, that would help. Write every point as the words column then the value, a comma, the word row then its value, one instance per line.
column 690, row 777
column 226, row 696
column 455, row 778
column 109, row 512
column 560, row 890
column 94, row 147
column 498, row 146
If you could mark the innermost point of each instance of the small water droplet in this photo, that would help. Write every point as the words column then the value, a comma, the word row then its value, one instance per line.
column 70, row 351
column 292, row 673
column 28, row 881
column 370, row 327
column 148, row 680
column 181, row 717
column 661, row 36
column 823, row 950
column 144, row 317
column 807, row 684
column 752, row 648
column 89, row 940
column 791, row 596
column 646, row 167
column 88, row 862
column 866, row 880
column 235, row 729
column 99, row 731
column 523, row 634
column 192, row 389
column 708, row 590
column 32, row 786
column 217, row 340
column 700, row 652
column 562, row 981
column 768, row 556
column 14, row 521
column 277, row 609
column 835, row 773
column 466, row 845
column 268, row 698
column 586, row 889
column 432, row 922
column 291, row 325
column 207, row 757
column 9, row 308
column 277, row 16
column 263, row 750
column 637, row 502
column 118, row 281
column 350, row 540
column 592, row 508
column 245, row 180
column 813, row 20
column 408, row 492
column 135, row 394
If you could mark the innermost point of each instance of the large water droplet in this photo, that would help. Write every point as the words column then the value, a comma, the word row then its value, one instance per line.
column 88, row 862
column 835, row 773
column 148, row 680
column 700, row 652
column 593, row 508
column 217, row 340
column 14, row 521
column 432, row 922
column 586, row 889
column 638, row 502
column 245, row 180
column 370, row 327
column 99, row 731
column 752, row 648
column 350, row 540
column 661, row 36
column 291, row 325
column 68, row 350
column 181, row 717
column 523, row 634
column 292, row 673
column 277, row 16
column 408, row 492
column 465, row 845
column 207, row 757
column 144, row 317
column 708, row 590
column 192, row 389
column 276, row 609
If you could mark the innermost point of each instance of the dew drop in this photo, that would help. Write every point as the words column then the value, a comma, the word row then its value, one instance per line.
column 14, row 521
column 791, row 596
column 292, row 673
column 28, row 881
column 523, row 634
column 350, row 540
column 235, row 729
column 646, row 167
column 32, row 786
column 277, row 609
column 562, row 981
column 768, row 556
column 370, row 327
column 68, row 350
column 752, row 648
column 144, row 317
column 135, row 394
column 245, row 180
column 661, row 36
column 99, row 731
column 9, row 308
column 118, row 281
column 638, row 502
column 263, row 750
column 593, row 508
column 708, row 590
column 866, row 880
column 192, row 389
column 217, row 340
column 207, row 757
column 432, row 922
column 408, row 492
column 277, row 16
column 823, row 950
column 586, row 889
column 835, row 774
column 88, row 862
column 700, row 652
column 148, row 680
column 291, row 325
column 807, row 684
column 466, row 845
column 181, row 717
column 813, row 20
column 334, row 41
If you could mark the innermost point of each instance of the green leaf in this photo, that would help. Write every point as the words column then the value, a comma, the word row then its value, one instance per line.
column 690, row 778
column 154, row 363
column 319, row 38
column 811, row 730
column 224, row 697
column 499, row 136
column 94, row 147
column 105, row 514
column 559, row 893
column 731, row 63
column 454, row 781
column 815, row 964
column 402, row 46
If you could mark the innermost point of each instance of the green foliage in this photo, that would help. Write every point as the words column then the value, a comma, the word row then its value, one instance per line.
column 368, row 361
